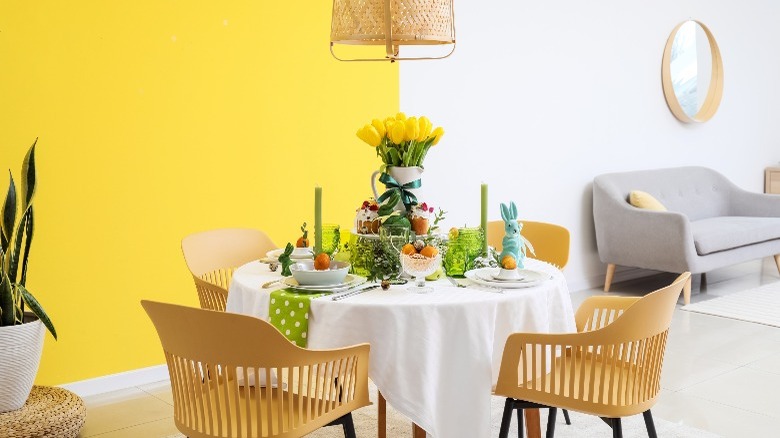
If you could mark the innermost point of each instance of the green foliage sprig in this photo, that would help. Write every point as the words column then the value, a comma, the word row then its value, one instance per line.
column 15, row 242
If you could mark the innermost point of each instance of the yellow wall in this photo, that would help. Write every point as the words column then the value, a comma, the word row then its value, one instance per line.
column 160, row 118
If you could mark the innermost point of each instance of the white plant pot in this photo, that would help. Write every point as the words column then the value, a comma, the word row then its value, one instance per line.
column 20, row 355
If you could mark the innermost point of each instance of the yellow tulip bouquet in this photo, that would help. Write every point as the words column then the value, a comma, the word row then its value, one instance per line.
column 400, row 140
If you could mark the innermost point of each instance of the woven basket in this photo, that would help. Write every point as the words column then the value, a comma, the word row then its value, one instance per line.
column 49, row 412
column 20, row 354
column 414, row 22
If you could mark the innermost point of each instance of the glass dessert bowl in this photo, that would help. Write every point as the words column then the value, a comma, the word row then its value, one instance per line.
column 419, row 266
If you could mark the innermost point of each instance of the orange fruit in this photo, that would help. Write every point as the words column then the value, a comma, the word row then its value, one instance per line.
column 429, row 252
column 509, row 262
column 408, row 249
column 322, row 262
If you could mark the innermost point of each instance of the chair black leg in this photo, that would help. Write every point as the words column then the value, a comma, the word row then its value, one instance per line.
column 649, row 424
column 551, row 422
column 566, row 417
column 617, row 428
column 349, row 426
column 520, row 423
column 506, row 419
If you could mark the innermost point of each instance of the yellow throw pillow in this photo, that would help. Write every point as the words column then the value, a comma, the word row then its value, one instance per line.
column 645, row 200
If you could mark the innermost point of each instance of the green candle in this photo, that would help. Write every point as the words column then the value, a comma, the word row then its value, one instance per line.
column 317, row 220
column 483, row 219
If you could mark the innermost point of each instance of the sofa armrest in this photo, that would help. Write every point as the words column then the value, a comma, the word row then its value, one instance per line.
column 745, row 203
column 629, row 236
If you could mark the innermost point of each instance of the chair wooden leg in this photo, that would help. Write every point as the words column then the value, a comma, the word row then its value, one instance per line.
column 566, row 417
column 417, row 431
column 617, row 428
column 649, row 424
column 610, row 274
column 506, row 419
column 381, row 422
column 551, row 422
column 777, row 262
column 687, row 292
column 532, row 423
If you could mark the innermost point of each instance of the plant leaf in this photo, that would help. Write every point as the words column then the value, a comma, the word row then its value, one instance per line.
column 36, row 308
column 6, row 301
column 9, row 214
column 395, row 157
column 28, row 230
column 13, row 266
column 28, row 177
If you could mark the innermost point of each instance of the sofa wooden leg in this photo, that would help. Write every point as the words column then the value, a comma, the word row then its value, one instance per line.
column 687, row 292
column 610, row 274
column 777, row 261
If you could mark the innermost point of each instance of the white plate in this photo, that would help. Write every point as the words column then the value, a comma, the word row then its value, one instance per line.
column 350, row 281
column 297, row 254
column 483, row 276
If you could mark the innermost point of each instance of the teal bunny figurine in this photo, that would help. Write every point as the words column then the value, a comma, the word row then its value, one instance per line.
column 513, row 244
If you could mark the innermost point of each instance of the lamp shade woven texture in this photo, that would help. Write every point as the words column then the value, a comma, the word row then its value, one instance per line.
column 49, row 412
column 414, row 22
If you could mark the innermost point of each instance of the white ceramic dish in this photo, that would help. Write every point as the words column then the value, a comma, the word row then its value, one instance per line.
column 349, row 281
column 486, row 277
column 297, row 254
column 304, row 273
column 508, row 275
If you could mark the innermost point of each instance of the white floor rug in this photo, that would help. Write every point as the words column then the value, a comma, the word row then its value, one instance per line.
column 760, row 305
column 583, row 426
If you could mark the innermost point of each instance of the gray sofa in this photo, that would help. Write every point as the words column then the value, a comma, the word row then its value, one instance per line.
column 711, row 223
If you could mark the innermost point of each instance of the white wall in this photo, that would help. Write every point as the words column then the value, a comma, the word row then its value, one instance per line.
column 541, row 96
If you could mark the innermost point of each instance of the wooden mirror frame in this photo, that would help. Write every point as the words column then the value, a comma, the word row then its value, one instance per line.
column 715, row 92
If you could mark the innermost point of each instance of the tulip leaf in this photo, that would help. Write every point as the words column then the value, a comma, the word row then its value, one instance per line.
column 36, row 308
column 28, row 177
column 9, row 214
column 395, row 156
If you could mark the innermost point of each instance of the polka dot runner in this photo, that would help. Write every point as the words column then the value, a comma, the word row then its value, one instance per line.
column 289, row 312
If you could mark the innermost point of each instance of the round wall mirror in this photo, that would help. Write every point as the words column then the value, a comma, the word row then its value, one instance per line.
column 692, row 72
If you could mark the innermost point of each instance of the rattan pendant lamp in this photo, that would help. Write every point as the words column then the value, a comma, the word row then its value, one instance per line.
column 392, row 23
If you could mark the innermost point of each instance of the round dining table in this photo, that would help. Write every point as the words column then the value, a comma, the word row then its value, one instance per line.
column 435, row 357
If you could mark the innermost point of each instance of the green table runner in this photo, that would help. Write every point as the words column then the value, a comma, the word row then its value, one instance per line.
column 289, row 312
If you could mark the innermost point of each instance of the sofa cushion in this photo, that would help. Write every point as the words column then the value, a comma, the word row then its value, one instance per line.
column 645, row 200
column 726, row 232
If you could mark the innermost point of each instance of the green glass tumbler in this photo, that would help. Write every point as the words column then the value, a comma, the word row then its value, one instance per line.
column 361, row 254
column 462, row 250
column 331, row 238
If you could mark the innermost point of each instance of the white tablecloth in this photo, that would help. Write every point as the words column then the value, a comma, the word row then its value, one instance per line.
column 435, row 356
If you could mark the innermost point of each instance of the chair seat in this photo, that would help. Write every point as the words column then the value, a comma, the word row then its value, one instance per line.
column 578, row 383
column 288, row 411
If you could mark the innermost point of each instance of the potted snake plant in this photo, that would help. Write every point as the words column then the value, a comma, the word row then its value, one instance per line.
column 22, row 319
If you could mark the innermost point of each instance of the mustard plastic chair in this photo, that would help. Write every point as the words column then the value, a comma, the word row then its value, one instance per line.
column 610, row 368
column 550, row 241
column 212, row 256
column 211, row 354
column 551, row 244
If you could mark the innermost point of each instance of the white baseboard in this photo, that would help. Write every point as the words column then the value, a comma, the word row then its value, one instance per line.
column 115, row 382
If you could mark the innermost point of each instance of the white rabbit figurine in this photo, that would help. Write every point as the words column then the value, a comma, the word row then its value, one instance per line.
column 513, row 244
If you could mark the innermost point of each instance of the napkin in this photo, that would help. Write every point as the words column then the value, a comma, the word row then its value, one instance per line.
column 289, row 313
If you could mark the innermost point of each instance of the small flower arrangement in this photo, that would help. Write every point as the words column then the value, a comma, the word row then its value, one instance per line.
column 400, row 140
